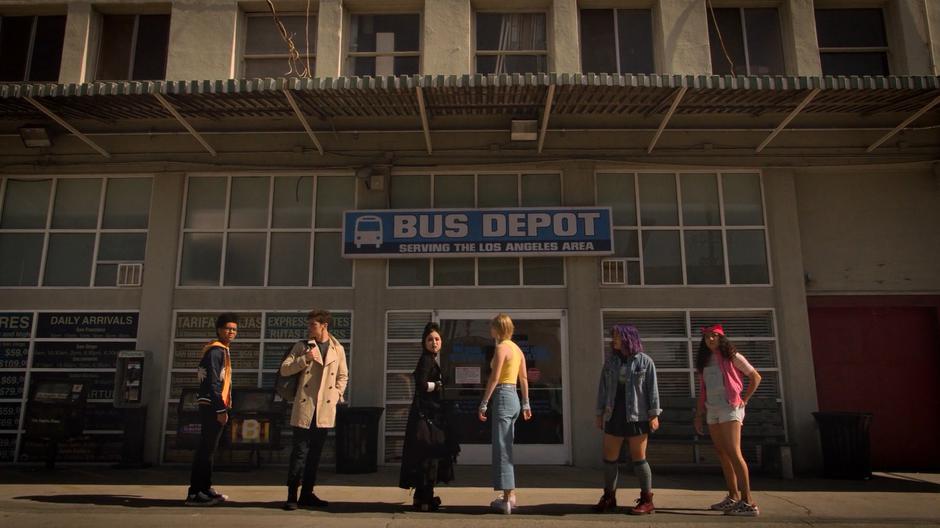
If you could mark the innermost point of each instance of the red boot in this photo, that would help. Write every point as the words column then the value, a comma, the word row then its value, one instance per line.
column 644, row 505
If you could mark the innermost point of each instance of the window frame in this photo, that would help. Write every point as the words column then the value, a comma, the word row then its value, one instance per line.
column 747, row 52
column 47, row 230
column 267, row 231
column 496, row 53
column 29, row 371
column 476, row 197
column 692, row 337
column 30, row 48
column 304, row 56
column 346, row 41
column 263, row 343
column 681, row 228
column 133, row 51
column 886, row 49
column 616, row 21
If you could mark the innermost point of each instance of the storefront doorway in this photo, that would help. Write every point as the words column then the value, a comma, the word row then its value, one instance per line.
column 468, row 349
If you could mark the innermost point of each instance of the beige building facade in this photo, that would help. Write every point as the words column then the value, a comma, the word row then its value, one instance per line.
column 750, row 193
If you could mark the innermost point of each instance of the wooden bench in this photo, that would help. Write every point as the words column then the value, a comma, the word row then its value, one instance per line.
column 763, row 429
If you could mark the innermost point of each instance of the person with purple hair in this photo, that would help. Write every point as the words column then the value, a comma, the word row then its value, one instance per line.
column 627, row 407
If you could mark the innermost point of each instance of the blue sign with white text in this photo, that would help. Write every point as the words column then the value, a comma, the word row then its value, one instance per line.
column 524, row 231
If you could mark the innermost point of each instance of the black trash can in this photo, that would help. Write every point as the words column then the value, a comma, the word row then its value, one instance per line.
column 846, row 444
column 357, row 439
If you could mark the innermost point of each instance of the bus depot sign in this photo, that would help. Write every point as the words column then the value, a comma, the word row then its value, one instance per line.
column 525, row 231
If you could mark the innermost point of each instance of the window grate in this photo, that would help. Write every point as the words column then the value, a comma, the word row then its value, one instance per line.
column 130, row 275
column 614, row 271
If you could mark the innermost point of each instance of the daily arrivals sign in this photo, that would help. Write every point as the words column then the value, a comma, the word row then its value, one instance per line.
column 477, row 232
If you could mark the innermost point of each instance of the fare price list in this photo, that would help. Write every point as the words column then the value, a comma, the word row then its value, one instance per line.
column 14, row 354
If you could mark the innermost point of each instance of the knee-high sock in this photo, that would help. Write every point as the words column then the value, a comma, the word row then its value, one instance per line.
column 611, row 472
column 642, row 470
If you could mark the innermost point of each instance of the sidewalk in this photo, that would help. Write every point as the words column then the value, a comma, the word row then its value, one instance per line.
column 549, row 497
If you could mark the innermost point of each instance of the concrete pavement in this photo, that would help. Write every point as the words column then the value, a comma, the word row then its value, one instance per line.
column 549, row 497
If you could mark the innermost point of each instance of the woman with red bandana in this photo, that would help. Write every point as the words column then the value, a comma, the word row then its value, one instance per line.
column 721, row 404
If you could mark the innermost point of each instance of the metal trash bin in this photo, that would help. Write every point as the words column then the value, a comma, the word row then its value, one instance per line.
column 357, row 439
column 846, row 444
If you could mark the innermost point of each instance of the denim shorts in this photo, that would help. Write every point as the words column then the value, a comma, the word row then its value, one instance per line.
column 716, row 414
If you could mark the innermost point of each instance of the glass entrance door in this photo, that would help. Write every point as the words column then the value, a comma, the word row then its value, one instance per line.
column 465, row 360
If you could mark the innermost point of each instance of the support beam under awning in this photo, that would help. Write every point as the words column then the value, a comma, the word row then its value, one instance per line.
column 425, row 127
column 49, row 113
column 303, row 120
column 933, row 102
column 680, row 92
column 549, row 97
column 182, row 120
column 786, row 121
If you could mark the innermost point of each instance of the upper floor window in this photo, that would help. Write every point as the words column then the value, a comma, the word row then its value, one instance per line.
column 511, row 43
column 745, row 41
column 31, row 47
column 616, row 41
column 72, row 231
column 384, row 44
column 852, row 41
column 687, row 228
column 133, row 47
column 267, row 55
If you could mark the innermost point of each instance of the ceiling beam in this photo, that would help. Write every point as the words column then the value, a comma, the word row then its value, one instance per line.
column 933, row 102
column 786, row 121
column 680, row 92
column 425, row 127
column 51, row 115
column 182, row 120
column 546, row 113
column 303, row 120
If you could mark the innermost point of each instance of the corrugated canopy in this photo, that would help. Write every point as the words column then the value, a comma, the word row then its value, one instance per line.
column 468, row 95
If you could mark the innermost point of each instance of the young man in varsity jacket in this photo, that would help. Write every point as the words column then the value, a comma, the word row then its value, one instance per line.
column 215, row 400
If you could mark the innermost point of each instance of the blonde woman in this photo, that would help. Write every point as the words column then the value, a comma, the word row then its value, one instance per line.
column 506, row 370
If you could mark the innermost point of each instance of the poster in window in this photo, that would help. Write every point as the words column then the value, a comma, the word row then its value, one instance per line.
column 15, row 325
column 11, row 384
column 14, row 354
column 87, row 325
column 202, row 325
column 78, row 354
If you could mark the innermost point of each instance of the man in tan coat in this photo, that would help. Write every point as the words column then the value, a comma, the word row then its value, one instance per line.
column 320, row 363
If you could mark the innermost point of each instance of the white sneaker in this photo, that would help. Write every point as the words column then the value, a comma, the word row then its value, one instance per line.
column 502, row 506
column 724, row 505
column 743, row 509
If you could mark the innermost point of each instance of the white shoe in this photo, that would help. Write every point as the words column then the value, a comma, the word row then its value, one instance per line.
column 724, row 505
column 502, row 506
column 743, row 509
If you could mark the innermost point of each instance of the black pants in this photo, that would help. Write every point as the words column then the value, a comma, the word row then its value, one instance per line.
column 305, row 455
column 201, row 477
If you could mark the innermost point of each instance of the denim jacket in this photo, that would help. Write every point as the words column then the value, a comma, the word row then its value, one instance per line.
column 642, row 392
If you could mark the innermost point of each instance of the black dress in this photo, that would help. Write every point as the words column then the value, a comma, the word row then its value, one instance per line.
column 418, row 469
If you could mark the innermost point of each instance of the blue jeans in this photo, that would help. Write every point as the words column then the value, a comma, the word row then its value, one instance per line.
column 505, row 411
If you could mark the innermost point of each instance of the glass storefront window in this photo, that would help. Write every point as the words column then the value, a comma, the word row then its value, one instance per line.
column 266, row 246
column 49, row 229
column 414, row 191
column 691, row 227
column 25, row 203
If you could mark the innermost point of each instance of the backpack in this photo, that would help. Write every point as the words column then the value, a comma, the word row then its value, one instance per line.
column 285, row 387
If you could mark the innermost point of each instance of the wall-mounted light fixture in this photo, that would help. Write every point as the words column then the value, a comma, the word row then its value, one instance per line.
column 35, row 136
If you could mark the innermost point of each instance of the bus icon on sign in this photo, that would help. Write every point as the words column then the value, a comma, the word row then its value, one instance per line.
column 368, row 231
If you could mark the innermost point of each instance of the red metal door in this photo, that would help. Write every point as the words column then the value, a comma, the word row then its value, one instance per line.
column 884, row 360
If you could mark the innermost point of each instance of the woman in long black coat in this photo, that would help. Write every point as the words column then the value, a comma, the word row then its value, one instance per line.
column 430, row 450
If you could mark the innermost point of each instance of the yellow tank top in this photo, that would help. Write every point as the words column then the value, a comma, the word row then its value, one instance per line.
column 510, row 371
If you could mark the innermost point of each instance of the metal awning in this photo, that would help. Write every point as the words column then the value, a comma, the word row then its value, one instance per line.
column 468, row 95
column 424, row 98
